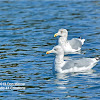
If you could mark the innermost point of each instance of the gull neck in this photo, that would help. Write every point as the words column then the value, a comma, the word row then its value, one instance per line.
column 59, row 58
column 62, row 40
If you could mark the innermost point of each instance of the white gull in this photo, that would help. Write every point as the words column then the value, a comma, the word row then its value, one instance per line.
column 69, row 46
column 79, row 65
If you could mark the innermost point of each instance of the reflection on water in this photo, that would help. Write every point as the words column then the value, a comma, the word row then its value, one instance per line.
column 62, row 78
column 66, row 84
column 26, row 33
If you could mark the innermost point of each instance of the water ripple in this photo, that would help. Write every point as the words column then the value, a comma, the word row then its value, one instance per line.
column 26, row 33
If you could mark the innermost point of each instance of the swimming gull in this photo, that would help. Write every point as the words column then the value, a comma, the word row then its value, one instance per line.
column 72, row 45
column 79, row 65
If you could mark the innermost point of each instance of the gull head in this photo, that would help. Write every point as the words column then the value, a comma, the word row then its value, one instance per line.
column 57, row 50
column 62, row 33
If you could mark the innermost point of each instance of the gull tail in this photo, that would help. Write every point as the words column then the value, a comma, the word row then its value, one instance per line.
column 97, row 58
column 82, row 40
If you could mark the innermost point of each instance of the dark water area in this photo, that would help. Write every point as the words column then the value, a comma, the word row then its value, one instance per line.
column 27, row 29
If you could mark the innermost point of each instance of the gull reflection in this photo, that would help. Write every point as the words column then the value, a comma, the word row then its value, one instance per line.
column 63, row 80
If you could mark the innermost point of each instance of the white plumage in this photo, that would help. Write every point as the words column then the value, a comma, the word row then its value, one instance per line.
column 79, row 65
column 69, row 46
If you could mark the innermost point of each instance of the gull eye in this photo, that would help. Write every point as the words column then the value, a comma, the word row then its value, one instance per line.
column 54, row 49
column 61, row 32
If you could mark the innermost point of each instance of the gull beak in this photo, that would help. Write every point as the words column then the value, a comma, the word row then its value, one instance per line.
column 56, row 35
column 49, row 51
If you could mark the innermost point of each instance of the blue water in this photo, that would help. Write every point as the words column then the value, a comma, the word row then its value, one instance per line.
column 26, row 33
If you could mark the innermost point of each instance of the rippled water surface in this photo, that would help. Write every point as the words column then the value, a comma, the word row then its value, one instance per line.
column 26, row 33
